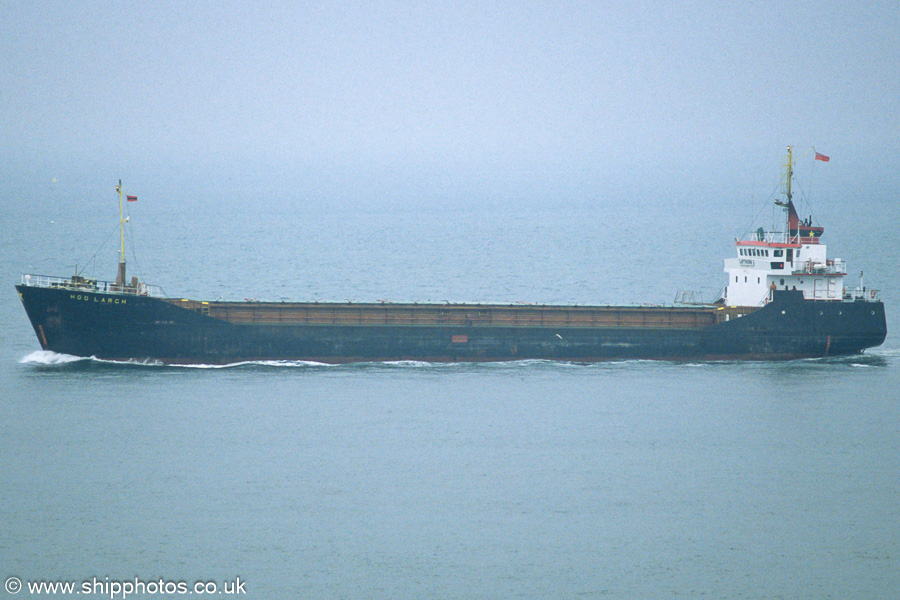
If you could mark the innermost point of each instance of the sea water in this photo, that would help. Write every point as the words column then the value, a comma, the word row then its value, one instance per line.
column 531, row 479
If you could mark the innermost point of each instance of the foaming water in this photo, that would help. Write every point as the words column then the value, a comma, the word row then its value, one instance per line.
column 45, row 359
column 50, row 358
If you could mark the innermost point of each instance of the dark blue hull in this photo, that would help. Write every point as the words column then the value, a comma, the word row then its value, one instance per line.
column 130, row 326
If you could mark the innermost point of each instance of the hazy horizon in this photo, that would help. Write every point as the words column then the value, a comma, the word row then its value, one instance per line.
column 446, row 103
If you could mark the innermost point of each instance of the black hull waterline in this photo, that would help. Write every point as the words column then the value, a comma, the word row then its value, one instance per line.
column 136, row 327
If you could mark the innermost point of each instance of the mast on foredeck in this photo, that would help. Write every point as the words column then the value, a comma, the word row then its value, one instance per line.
column 120, row 276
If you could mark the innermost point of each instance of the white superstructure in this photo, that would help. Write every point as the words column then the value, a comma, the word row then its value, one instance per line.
column 763, row 265
column 787, row 260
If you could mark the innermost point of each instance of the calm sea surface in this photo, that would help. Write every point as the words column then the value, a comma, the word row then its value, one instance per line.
column 632, row 479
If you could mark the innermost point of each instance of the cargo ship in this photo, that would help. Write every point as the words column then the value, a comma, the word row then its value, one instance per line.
column 784, row 299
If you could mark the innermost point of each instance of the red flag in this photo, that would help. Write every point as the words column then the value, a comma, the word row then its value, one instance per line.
column 134, row 198
column 822, row 157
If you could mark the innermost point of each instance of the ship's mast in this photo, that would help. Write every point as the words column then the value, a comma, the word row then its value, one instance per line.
column 120, row 276
column 788, row 174
column 788, row 204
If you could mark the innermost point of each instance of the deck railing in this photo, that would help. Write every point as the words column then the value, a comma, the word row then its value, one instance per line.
column 84, row 284
column 830, row 267
column 861, row 295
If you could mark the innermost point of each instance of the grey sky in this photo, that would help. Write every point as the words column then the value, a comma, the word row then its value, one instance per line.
column 447, row 101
